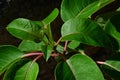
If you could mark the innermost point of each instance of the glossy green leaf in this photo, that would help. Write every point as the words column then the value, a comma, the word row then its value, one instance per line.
column 39, row 23
column 94, row 7
column 78, row 67
column 49, row 34
column 46, row 22
column 112, row 27
column 30, row 46
column 60, row 49
column 29, row 71
column 11, row 72
column 25, row 29
column 51, row 17
column 85, row 31
column 8, row 56
column 47, row 50
column 71, row 8
column 63, row 72
column 112, row 66
column 81, row 8
column 73, row 44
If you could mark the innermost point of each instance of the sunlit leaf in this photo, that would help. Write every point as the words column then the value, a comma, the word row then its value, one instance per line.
column 85, row 31
column 25, row 29
column 8, row 56
column 30, row 46
column 73, row 44
column 47, row 50
column 81, row 8
column 51, row 17
column 78, row 67
column 27, row 72
column 94, row 7
column 46, row 22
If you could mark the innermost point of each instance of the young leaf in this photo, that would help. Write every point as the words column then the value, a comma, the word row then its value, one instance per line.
column 78, row 67
column 51, row 16
column 85, row 31
column 81, row 8
column 46, row 23
column 73, row 44
column 8, row 56
column 30, row 46
column 47, row 50
column 25, row 29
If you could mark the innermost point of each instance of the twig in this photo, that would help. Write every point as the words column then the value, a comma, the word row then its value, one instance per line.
column 32, row 54
column 58, row 41
column 65, row 47
column 54, row 55
column 37, row 58
column 38, row 54
column 100, row 62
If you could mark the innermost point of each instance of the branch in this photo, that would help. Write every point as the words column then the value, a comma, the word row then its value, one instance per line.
column 38, row 54
column 65, row 47
column 58, row 41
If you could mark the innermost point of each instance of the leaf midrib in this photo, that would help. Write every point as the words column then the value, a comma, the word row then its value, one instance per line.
column 33, row 34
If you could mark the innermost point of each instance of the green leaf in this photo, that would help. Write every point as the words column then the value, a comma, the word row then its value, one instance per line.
column 78, row 67
column 46, row 22
column 39, row 23
column 71, row 8
column 81, row 8
column 60, row 49
column 63, row 72
column 112, row 27
column 11, row 72
column 85, row 31
column 94, row 7
column 8, row 56
column 112, row 66
column 47, row 50
column 30, row 46
column 73, row 44
column 28, row 71
column 118, row 9
column 25, row 29
column 51, row 16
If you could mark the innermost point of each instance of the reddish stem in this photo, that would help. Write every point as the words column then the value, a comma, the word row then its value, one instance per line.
column 37, row 58
column 33, row 54
column 65, row 47
column 58, row 41
column 100, row 62
column 39, row 54
column 54, row 55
